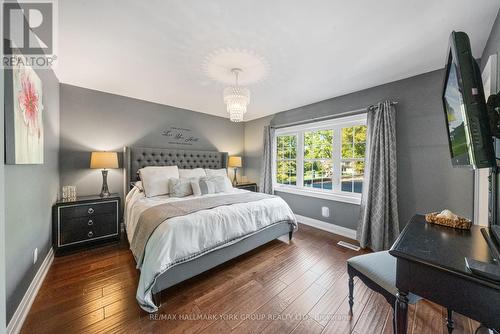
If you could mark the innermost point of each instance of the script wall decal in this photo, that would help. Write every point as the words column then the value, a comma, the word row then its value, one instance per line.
column 179, row 136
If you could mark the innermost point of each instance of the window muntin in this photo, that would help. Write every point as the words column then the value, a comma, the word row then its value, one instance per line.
column 323, row 158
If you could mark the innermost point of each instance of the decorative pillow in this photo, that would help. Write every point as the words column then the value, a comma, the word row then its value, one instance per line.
column 207, row 185
column 215, row 184
column 195, row 172
column 216, row 172
column 155, row 179
column 195, row 186
column 180, row 187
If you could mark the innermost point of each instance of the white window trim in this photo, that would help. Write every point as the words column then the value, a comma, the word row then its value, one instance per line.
column 298, row 130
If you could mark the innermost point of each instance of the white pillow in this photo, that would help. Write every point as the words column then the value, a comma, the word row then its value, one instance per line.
column 226, row 185
column 216, row 172
column 195, row 172
column 155, row 179
column 180, row 187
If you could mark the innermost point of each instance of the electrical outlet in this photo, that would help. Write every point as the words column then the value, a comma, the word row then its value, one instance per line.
column 325, row 211
column 35, row 255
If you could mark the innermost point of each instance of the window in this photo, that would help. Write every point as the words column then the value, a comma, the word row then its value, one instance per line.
column 286, row 160
column 322, row 159
column 318, row 147
column 353, row 158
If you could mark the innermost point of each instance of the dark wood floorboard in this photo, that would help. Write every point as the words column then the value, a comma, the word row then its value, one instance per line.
column 277, row 288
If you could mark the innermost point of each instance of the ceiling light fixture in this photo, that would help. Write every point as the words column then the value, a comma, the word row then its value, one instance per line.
column 236, row 99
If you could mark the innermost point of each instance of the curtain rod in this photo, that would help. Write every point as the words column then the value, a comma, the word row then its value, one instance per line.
column 324, row 118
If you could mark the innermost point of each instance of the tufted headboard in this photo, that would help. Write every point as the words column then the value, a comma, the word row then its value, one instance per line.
column 137, row 157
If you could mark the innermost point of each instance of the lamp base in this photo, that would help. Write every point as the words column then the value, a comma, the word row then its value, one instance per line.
column 104, row 190
column 235, row 182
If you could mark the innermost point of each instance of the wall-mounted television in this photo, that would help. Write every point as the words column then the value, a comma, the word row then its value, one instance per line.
column 469, row 136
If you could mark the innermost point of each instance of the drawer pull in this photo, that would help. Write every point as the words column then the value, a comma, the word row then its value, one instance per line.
column 90, row 222
column 90, row 234
column 90, row 211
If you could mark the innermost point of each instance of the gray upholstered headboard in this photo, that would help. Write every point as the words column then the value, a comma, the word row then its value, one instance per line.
column 136, row 158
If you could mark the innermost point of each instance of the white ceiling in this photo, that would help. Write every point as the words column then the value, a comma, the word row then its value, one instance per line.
column 155, row 50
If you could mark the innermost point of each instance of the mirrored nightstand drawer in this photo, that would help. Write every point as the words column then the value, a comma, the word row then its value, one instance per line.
column 247, row 186
column 84, row 222
column 87, row 210
column 82, row 229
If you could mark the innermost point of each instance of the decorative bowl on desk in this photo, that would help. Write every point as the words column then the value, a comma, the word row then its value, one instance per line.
column 449, row 219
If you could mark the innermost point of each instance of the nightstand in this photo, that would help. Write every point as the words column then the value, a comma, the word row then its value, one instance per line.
column 252, row 186
column 85, row 222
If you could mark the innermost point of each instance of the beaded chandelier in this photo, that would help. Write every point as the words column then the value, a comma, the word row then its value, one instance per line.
column 236, row 99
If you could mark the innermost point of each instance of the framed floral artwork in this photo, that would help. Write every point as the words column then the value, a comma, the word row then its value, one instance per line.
column 24, row 133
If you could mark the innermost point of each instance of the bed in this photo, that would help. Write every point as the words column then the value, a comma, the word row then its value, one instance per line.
column 185, row 246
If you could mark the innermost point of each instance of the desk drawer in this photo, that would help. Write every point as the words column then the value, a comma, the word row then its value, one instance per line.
column 251, row 187
column 87, row 210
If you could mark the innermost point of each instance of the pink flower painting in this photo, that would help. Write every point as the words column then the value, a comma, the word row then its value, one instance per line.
column 28, row 104
column 24, row 131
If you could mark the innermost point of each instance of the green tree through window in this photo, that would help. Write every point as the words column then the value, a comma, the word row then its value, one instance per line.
column 318, row 146
column 353, row 158
column 286, row 164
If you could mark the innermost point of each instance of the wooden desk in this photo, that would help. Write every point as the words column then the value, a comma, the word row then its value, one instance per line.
column 430, row 263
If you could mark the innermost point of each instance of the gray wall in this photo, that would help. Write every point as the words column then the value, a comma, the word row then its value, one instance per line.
column 492, row 45
column 426, row 180
column 93, row 120
column 2, row 208
column 30, row 192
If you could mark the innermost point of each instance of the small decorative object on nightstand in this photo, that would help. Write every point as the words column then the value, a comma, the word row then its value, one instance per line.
column 252, row 186
column 104, row 160
column 86, row 221
column 235, row 162
column 69, row 193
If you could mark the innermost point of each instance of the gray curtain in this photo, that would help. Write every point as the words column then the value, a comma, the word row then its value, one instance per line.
column 379, row 225
column 266, row 179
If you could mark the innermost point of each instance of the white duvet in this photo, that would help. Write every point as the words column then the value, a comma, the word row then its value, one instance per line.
column 186, row 237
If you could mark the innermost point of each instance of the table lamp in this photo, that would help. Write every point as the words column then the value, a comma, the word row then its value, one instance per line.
column 103, row 160
column 235, row 162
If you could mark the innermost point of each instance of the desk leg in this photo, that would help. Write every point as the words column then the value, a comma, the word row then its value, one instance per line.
column 449, row 321
column 351, row 294
column 401, row 312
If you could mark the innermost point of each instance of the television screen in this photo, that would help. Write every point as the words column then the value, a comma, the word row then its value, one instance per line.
column 455, row 115
column 469, row 136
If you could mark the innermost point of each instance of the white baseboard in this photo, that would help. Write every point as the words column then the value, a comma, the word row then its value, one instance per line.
column 17, row 321
column 332, row 228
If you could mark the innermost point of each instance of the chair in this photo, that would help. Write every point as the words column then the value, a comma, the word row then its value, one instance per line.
column 378, row 272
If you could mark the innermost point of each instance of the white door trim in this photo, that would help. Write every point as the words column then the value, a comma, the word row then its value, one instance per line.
column 481, row 185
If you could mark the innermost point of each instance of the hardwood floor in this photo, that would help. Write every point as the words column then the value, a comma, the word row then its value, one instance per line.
column 277, row 288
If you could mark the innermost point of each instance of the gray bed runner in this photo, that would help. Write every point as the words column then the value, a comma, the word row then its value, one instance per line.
column 152, row 217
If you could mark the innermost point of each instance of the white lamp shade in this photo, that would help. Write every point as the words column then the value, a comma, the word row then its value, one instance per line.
column 103, row 160
column 234, row 161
